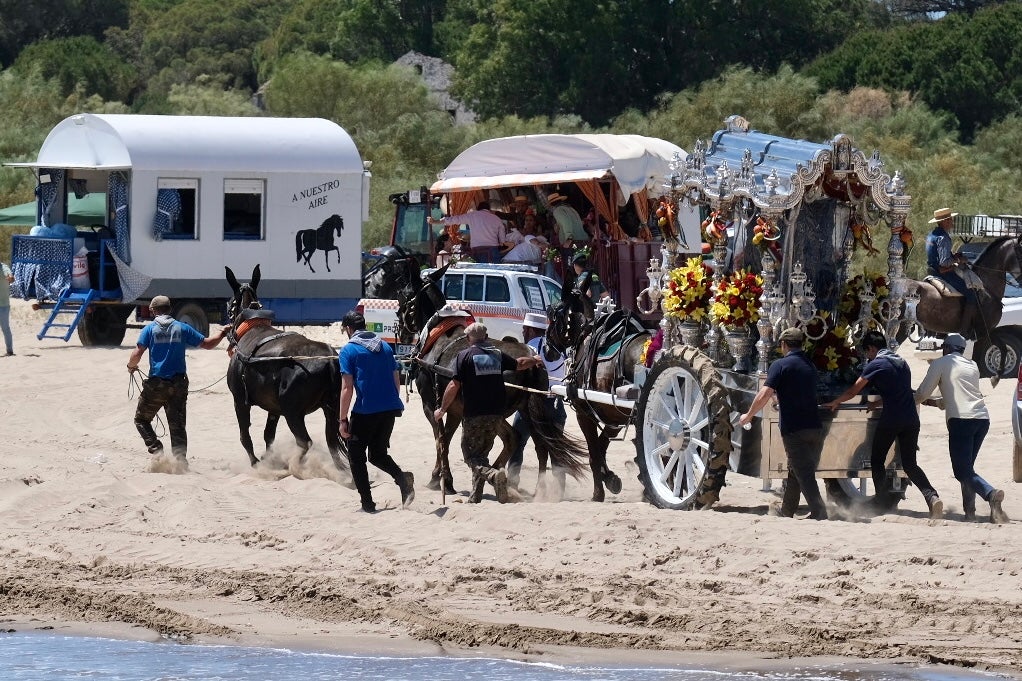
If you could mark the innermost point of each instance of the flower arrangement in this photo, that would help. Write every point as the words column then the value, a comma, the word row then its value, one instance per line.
column 850, row 304
column 651, row 347
column 736, row 301
column 834, row 352
column 687, row 293
column 584, row 251
column 552, row 254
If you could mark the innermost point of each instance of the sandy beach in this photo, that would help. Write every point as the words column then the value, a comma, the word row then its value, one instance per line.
column 88, row 535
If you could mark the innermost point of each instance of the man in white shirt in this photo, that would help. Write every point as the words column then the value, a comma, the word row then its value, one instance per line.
column 486, row 230
column 534, row 331
column 967, row 422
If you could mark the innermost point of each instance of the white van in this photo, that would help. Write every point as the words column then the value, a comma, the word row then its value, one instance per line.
column 498, row 295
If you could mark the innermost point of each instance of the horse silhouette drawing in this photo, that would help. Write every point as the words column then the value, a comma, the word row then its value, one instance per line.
column 308, row 241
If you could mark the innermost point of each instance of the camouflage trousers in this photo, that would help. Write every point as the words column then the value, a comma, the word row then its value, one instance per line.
column 477, row 436
column 171, row 395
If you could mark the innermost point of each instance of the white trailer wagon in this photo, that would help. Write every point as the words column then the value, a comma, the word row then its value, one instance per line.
column 185, row 196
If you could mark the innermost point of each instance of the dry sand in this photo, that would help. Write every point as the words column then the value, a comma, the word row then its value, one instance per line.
column 89, row 535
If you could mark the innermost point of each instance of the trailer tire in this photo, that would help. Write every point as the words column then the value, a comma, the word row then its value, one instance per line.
column 683, row 436
column 193, row 315
column 844, row 493
column 988, row 355
column 104, row 325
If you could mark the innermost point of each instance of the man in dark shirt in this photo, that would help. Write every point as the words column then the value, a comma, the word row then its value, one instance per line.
column 793, row 380
column 889, row 376
column 479, row 373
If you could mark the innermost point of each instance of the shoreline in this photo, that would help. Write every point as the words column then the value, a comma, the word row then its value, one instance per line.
column 394, row 646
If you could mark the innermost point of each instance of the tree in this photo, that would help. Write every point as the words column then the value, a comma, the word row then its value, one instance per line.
column 23, row 23
column 79, row 60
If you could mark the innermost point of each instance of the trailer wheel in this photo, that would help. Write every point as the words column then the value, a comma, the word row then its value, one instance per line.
column 845, row 492
column 988, row 355
column 684, row 439
column 104, row 325
column 193, row 315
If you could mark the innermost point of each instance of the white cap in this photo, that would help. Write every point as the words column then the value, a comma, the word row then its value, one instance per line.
column 535, row 321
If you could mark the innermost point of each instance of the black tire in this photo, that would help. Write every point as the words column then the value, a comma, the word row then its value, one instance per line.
column 687, row 378
column 845, row 493
column 987, row 355
column 193, row 315
column 104, row 325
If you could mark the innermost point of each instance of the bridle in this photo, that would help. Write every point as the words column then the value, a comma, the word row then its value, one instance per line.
column 245, row 298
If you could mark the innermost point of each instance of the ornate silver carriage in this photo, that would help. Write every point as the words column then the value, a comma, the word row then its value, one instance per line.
column 790, row 214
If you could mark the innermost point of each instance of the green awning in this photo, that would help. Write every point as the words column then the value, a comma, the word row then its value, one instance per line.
column 90, row 210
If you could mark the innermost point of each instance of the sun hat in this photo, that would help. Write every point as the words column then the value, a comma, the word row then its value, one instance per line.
column 555, row 197
column 954, row 341
column 159, row 301
column 792, row 336
column 942, row 214
column 535, row 321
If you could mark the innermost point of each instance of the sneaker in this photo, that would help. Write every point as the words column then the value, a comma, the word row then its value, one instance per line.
column 500, row 487
column 970, row 516
column 407, row 485
column 478, row 483
column 936, row 509
column 997, row 514
column 156, row 448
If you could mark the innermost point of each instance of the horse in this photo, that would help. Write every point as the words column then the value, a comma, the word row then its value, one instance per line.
column 282, row 372
column 394, row 277
column 419, row 313
column 308, row 241
column 942, row 313
column 604, row 351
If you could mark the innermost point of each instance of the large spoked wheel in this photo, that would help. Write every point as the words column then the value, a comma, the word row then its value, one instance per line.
column 850, row 493
column 683, row 414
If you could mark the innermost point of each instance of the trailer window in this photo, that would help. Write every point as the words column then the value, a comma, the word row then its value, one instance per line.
column 497, row 290
column 243, row 209
column 177, row 208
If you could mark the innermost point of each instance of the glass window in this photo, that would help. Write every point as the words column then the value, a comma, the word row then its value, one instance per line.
column 177, row 208
column 454, row 286
column 412, row 228
column 474, row 287
column 531, row 292
column 243, row 209
column 497, row 290
column 553, row 292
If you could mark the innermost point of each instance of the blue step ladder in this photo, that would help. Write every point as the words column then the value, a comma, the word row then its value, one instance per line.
column 70, row 303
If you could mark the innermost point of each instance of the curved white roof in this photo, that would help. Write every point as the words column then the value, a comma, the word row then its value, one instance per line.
column 198, row 143
column 634, row 161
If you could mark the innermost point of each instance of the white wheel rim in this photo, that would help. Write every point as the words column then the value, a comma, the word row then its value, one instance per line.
column 675, row 435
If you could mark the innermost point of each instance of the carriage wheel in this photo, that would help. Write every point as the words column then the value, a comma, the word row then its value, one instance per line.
column 683, row 415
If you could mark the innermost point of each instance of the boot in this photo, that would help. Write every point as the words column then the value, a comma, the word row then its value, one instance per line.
column 997, row 514
column 499, row 481
column 478, row 483
column 406, row 483
column 936, row 508
column 968, row 503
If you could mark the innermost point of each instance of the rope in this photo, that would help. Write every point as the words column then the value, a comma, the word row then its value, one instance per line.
column 135, row 388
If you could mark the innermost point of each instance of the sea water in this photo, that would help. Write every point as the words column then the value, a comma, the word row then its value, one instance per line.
column 38, row 657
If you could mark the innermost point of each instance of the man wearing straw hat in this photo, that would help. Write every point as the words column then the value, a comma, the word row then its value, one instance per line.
column 943, row 264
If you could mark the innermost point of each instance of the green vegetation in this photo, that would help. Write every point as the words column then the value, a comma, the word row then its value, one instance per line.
column 941, row 99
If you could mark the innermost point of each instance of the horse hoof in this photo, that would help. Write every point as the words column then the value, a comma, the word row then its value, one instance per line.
column 613, row 484
column 434, row 483
column 598, row 496
column 449, row 486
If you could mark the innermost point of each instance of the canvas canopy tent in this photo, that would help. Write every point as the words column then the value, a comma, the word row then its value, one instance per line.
column 89, row 210
column 608, row 169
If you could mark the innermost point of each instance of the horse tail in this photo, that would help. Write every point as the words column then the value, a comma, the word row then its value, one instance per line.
column 566, row 452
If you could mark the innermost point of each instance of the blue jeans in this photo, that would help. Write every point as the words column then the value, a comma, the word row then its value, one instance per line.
column 965, row 437
column 554, row 410
column 5, row 324
column 489, row 254
column 957, row 283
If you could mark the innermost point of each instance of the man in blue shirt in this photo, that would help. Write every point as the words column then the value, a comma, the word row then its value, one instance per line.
column 167, row 386
column 369, row 369
column 889, row 376
column 793, row 380
column 942, row 263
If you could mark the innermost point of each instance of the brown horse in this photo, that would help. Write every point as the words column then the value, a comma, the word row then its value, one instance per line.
column 943, row 314
column 604, row 353
column 433, row 375
column 283, row 372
